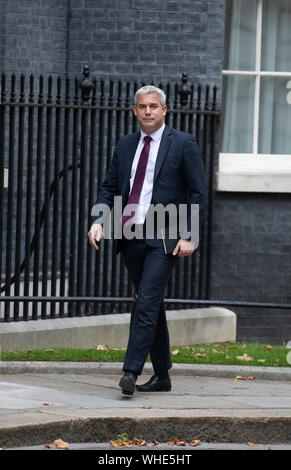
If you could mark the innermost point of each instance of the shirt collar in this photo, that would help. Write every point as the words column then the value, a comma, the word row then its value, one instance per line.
column 155, row 135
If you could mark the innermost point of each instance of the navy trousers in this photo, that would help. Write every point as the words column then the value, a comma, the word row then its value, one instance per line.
column 149, row 268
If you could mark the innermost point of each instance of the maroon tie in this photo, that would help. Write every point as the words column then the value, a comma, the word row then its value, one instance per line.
column 138, row 181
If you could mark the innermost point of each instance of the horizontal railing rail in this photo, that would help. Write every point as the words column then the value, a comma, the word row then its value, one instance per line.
column 132, row 300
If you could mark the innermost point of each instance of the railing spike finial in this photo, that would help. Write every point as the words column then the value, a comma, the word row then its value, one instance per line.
column 86, row 85
column 184, row 90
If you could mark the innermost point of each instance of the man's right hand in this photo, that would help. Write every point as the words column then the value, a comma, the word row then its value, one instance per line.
column 95, row 234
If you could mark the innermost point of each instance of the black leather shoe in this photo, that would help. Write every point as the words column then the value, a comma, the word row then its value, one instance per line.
column 155, row 384
column 127, row 383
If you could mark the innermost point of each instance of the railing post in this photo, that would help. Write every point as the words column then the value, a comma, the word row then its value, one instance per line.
column 86, row 86
column 184, row 90
column 2, row 169
column 73, row 194
column 9, row 225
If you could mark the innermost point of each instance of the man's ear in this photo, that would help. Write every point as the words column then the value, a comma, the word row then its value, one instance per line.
column 134, row 109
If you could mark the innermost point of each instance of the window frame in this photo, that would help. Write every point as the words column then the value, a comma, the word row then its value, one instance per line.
column 255, row 171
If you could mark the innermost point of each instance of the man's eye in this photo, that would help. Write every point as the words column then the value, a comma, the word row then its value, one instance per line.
column 151, row 106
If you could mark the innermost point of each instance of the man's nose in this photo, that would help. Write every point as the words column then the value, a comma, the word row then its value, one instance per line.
column 148, row 110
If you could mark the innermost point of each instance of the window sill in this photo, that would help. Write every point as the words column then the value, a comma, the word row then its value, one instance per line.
column 258, row 182
column 254, row 173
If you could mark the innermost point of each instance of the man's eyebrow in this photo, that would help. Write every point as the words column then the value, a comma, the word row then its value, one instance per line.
column 150, row 104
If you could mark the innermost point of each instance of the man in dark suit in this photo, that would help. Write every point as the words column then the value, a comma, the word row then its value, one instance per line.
column 156, row 166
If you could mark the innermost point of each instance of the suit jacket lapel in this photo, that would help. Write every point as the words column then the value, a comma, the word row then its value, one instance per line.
column 164, row 146
column 128, row 162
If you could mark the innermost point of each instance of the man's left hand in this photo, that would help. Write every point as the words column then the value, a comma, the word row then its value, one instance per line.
column 183, row 248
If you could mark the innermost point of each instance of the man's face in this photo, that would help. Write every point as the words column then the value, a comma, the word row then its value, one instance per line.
column 149, row 112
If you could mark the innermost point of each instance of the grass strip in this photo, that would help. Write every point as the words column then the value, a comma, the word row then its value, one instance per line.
column 218, row 353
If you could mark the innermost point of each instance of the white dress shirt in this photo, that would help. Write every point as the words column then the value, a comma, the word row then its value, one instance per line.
column 147, row 189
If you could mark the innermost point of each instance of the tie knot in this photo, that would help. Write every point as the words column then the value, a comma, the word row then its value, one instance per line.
column 147, row 139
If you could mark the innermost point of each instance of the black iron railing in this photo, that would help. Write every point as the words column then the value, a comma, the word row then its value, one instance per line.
column 56, row 143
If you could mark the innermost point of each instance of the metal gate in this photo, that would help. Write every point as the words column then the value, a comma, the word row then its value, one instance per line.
column 56, row 142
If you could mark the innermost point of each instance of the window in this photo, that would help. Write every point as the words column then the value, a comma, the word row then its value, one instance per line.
column 256, row 133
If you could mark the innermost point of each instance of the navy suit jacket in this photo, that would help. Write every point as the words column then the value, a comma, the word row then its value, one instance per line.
column 178, row 178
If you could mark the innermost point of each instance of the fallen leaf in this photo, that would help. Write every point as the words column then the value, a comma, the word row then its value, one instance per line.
column 251, row 444
column 175, row 352
column 239, row 377
column 195, row 442
column 47, row 446
column 60, row 444
column 139, row 442
column 200, row 355
column 269, row 347
column 103, row 347
column 244, row 346
column 114, row 443
column 217, row 352
column 154, row 443
column 48, row 404
column 177, row 442
column 118, row 443
column 245, row 357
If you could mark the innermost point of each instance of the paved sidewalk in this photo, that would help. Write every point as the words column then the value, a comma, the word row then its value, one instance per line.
column 82, row 402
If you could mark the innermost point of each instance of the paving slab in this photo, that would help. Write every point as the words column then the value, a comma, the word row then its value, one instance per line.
column 88, row 406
